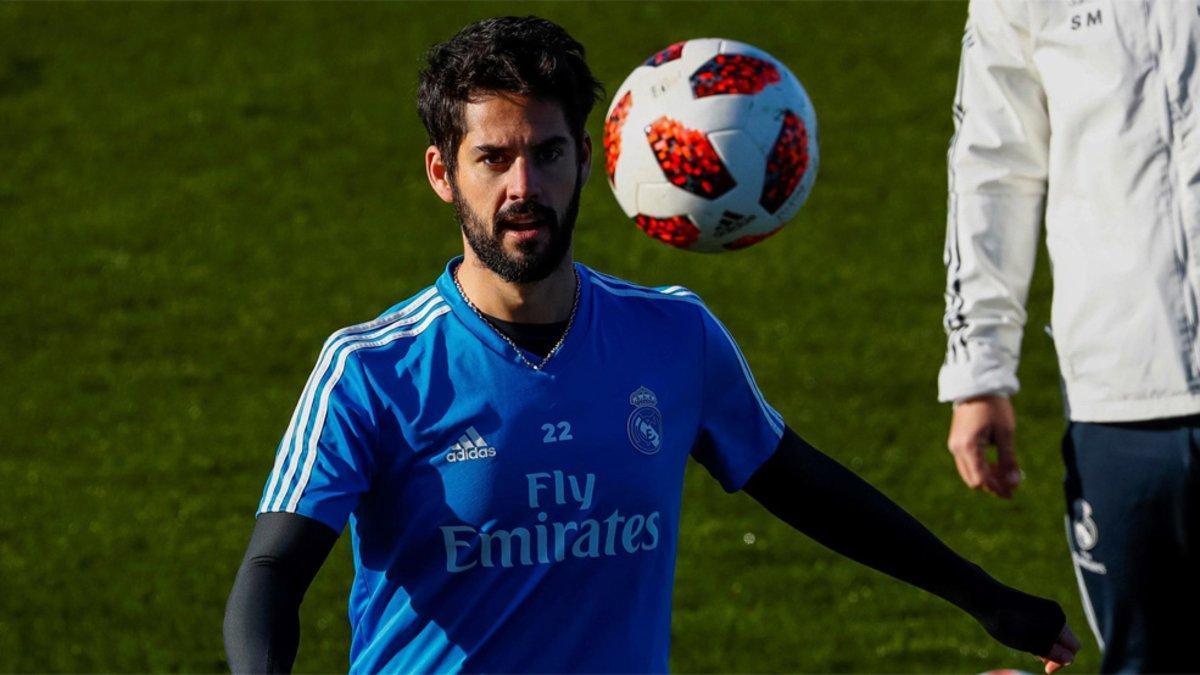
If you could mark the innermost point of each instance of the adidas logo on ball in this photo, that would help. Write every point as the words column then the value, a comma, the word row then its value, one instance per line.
column 470, row 446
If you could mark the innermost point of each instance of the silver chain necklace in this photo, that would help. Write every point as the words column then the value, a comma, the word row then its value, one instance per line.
column 520, row 353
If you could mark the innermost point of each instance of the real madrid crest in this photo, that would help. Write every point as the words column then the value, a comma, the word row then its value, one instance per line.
column 645, row 422
column 1086, row 533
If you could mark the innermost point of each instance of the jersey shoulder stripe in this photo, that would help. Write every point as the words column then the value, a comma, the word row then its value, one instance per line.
column 623, row 289
column 405, row 308
column 322, row 410
column 611, row 283
column 285, row 464
column 417, row 313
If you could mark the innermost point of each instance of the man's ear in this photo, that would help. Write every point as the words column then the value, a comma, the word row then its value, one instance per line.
column 585, row 150
column 438, row 174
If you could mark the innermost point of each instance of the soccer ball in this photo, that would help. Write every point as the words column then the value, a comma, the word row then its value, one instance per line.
column 711, row 145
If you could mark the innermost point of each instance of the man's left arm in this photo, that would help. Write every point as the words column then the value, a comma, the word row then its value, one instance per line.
column 819, row 497
column 745, row 444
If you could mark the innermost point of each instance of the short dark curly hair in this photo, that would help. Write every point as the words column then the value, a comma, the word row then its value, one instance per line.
column 528, row 55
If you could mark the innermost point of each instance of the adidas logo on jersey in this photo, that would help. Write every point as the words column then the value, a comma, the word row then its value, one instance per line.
column 470, row 446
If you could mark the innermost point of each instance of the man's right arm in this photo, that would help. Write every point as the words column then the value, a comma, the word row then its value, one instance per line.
column 262, row 616
column 323, row 465
column 998, row 167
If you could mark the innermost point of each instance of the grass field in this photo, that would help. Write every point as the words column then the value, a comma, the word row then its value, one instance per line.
column 192, row 196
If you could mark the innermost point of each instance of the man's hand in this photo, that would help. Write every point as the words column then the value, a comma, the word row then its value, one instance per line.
column 977, row 424
column 1028, row 623
column 1063, row 652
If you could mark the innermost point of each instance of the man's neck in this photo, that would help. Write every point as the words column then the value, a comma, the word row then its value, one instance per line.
column 547, row 301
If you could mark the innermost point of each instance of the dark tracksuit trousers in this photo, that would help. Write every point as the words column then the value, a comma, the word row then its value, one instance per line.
column 1133, row 524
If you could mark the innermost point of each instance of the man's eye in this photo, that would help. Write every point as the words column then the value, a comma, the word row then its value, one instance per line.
column 550, row 154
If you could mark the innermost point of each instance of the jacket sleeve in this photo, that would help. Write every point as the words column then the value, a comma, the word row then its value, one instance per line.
column 997, row 185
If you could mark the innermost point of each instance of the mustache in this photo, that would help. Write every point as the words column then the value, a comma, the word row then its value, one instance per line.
column 524, row 211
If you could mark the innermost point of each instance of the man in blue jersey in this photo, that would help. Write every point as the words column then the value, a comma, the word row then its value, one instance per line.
column 508, row 445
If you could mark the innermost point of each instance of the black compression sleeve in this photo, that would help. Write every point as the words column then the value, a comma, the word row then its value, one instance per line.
column 262, row 616
column 824, row 500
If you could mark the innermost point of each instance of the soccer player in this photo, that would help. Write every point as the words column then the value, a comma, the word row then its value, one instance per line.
column 1082, row 115
column 508, row 444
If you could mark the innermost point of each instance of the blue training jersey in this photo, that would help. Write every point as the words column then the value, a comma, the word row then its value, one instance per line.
column 511, row 519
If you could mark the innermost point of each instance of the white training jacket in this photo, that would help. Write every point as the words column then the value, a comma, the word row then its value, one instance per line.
column 1081, row 113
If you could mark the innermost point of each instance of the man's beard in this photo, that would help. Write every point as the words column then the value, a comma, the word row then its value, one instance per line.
column 529, row 264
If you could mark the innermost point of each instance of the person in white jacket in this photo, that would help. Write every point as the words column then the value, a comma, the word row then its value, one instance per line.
column 1081, row 114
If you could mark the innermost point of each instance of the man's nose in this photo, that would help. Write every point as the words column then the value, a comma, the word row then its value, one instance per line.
column 523, row 181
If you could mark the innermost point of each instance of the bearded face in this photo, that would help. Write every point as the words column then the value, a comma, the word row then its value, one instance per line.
column 524, row 241
column 515, row 185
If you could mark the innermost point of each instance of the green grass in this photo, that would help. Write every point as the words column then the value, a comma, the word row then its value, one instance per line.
column 193, row 196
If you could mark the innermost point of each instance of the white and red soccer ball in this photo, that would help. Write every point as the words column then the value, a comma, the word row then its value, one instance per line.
column 711, row 145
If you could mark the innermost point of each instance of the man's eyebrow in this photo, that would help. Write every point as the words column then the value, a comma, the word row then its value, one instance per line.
column 490, row 149
column 553, row 141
